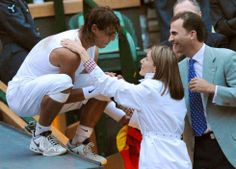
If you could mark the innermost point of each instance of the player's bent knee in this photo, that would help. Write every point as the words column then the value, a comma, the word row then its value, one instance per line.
column 64, row 78
column 63, row 95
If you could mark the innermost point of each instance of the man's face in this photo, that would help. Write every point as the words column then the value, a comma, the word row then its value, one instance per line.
column 103, row 37
column 179, row 37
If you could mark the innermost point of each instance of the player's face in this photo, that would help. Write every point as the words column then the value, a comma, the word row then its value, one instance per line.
column 103, row 37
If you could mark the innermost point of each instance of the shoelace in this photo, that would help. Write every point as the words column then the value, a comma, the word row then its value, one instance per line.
column 88, row 148
column 52, row 140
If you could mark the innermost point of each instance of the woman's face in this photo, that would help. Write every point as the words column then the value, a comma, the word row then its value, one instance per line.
column 147, row 65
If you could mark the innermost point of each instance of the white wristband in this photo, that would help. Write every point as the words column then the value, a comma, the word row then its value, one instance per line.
column 89, row 92
column 114, row 112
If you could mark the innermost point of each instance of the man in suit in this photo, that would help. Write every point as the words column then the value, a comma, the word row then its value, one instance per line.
column 164, row 13
column 211, row 39
column 18, row 35
column 209, row 79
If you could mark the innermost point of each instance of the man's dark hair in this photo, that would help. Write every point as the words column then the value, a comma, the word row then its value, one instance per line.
column 104, row 18
column 192, row 21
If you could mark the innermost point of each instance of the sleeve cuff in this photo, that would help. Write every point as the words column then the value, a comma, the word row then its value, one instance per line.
column 215, row 94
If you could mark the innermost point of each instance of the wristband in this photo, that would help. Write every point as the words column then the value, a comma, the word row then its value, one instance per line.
column 112, row 111
column 89, row 92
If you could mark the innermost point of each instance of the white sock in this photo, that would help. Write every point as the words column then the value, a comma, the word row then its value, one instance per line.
column 114, row 112
column 40, row 129
column 82, row 133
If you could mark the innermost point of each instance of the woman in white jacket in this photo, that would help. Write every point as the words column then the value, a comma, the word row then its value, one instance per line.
column 159, row 101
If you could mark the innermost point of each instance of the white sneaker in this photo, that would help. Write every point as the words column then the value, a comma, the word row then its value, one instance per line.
column 86, row 151
column 46, row 144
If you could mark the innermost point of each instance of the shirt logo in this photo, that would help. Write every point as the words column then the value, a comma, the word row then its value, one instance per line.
column 12, row 8
column 85, row 130
column 90, row 91
column 38, row 146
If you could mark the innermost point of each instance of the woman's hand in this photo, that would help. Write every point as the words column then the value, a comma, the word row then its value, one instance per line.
column 112, row 74
column 76, row 46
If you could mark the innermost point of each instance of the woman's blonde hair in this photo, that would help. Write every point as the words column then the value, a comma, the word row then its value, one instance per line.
column 167, row 71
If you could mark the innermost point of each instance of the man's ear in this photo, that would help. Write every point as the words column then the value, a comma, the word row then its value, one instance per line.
column 94, row 28
column 200, row 14
column 193, row 34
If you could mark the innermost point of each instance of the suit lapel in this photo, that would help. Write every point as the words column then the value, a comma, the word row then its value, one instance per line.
column 209, row 68
column 184, row 78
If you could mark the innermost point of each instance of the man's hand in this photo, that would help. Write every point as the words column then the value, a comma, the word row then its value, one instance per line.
column 120, row 77
column 201, row 86
column 128, row 111
column 124, row 120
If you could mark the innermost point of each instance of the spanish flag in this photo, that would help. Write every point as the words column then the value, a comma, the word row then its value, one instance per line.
column 128, row 142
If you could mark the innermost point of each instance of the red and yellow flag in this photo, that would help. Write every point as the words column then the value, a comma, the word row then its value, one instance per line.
column 128, row 143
